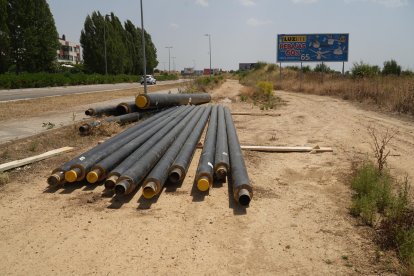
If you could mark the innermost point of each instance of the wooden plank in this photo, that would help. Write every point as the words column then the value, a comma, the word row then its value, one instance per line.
column 316, row 149
column 256, row 114
column 29, row 160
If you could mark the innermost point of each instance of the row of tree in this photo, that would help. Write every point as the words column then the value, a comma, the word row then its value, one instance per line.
column 123, row 46
column 28, row 36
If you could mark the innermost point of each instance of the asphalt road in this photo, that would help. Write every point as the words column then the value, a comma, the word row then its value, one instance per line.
column 33, row 93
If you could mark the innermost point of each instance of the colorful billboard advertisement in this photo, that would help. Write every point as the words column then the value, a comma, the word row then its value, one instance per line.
column 312, row 47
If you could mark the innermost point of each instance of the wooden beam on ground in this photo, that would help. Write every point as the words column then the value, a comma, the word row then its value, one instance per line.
column 316, row 149
column 256, row 114
column 29, row 160
column 282, row 149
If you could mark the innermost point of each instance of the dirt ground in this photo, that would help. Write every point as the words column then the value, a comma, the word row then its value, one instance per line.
column 297, row 223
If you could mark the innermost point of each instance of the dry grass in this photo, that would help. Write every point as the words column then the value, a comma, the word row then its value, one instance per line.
column 35, row 107
column 390, row 93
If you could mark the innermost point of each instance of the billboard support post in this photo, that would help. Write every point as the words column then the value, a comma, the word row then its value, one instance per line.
column 343, row 68
column 280, row 70
column 301, row 77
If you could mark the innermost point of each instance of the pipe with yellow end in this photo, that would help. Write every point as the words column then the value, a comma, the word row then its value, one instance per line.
column 205, row 170
column 145, row 101
column 73, row 175
column 155, row 180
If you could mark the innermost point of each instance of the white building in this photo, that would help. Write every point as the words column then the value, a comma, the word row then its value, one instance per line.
column 69, row 52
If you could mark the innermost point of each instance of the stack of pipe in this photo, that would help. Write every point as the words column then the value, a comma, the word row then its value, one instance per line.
column 222, row 154
column 161, row 149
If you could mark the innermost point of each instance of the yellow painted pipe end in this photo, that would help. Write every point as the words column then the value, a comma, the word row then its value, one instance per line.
column 203, row 184
column 71, row 176
column 150, row 190
column 92, row 177
column 141, row 101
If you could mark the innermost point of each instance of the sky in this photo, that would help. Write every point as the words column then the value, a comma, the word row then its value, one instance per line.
column 246, row 30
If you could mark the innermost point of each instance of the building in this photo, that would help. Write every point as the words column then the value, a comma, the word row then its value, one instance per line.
column 246, row 66
column 215, row 71
column 69, row 52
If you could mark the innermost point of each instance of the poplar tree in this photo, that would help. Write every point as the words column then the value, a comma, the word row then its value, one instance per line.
column 4, row 38
column 123, row 46
column 33, row 35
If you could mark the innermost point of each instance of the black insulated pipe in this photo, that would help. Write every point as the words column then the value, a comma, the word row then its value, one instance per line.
column 145, row 101
column 87, row 127
column 99, row 111
column 135, row 174
column 55, row 177
column 155, row 180
column 179, row 168
column 205, row 171
column 124, row 137
column 85, row 163
column 125, row 108
column 242, row 188
column 104, row 167
column 221, row 160
column 100, row 169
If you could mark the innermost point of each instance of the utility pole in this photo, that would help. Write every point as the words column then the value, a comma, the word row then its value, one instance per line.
column 173, row 58
column 169, row 58
column 143, row 49
column 209, row 46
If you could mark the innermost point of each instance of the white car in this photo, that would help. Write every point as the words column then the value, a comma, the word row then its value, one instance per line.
column 150, row 80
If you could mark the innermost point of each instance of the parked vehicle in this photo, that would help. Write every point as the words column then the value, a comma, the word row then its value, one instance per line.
column 150, row 80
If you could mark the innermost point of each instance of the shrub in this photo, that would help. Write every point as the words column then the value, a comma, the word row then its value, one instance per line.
column 362, row 70
column 391, row 68
column 322, row 68
column 36, row 80
column 373, row 193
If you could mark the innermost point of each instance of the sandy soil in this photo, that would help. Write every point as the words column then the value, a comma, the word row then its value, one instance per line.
column 297, row 223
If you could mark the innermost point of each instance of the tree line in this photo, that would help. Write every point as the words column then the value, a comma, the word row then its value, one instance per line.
column 123, row 46
column 28, row 36
column 29, row 41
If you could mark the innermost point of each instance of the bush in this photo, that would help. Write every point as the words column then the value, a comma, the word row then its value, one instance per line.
column 362, row 70
column 35, row 80
column 373, row 193
column 391, row 68
column 322, row 68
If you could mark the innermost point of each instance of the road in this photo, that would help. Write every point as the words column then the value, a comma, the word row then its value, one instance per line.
column 17, row 128
column 33, row 93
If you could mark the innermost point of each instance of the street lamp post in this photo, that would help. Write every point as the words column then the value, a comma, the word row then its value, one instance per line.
column 169, row 58
column 106, row 61
column 209, row 46
column 173, row 58
column 143, row 49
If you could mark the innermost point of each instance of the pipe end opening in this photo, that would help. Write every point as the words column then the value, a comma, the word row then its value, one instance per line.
column 244, row 197
column 149, row 190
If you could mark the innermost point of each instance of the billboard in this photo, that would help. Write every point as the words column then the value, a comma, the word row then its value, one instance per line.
column 312, row 47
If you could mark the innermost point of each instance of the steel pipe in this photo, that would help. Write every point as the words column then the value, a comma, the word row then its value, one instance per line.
column 145, row 101
column 242, row 188
column 135, row 174
column 221, row 160
column 125, row 108
column 179, row 168
column 205, row 170
column 100, row 169
column 126, row 135
column 114, row 174
column 78, row 171
column 99, row 111
column 155, row 180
